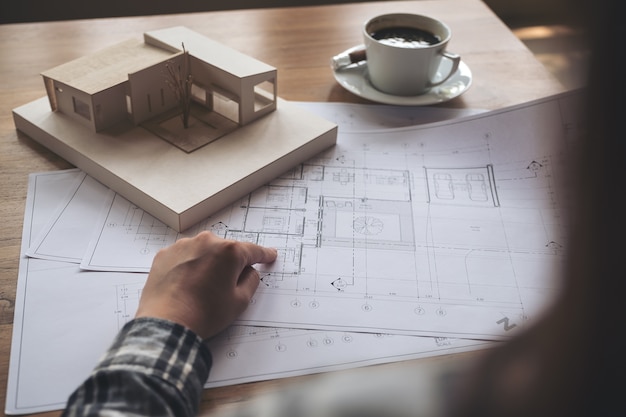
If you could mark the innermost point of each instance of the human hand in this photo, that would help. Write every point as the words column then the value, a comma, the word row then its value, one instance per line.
column 203, row 282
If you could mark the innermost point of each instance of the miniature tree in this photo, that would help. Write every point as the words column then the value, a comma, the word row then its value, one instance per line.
column 179, row 79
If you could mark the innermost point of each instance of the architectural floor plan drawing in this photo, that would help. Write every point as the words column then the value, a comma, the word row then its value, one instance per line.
column 449, row 229
column 66, row 318
column 446, row 230
column 286, row 352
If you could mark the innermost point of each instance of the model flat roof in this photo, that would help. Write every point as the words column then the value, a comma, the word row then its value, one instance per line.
column 108, row 67
column 207, row 50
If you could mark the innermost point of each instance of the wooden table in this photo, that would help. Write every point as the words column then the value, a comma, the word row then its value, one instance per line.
column 297, row 41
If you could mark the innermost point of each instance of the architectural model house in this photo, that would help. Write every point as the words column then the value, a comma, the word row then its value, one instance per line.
column 149, row 84
column 120, row 115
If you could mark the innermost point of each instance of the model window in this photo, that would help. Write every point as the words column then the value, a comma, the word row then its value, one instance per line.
column 82, row 108
column 264, row 94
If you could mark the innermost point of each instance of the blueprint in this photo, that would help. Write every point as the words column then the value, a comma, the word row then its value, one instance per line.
column 65, row 317
column 452, row 229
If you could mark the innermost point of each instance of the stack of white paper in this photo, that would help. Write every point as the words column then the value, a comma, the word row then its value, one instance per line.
column 397, row 243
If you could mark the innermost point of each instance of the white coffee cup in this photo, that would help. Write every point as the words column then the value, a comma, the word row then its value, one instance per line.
column 407, row 68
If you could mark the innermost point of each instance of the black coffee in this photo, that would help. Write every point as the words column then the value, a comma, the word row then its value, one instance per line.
column 405, row 37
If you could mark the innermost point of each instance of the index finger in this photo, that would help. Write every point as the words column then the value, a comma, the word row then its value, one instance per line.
column 256, row 254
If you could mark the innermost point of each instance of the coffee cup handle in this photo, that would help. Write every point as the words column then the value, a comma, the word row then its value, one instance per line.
column 456, row 60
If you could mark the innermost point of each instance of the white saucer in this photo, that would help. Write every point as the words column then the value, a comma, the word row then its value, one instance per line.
column 354, row 78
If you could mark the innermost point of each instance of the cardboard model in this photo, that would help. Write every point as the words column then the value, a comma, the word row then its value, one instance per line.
column 118, row 115
column 175, row 75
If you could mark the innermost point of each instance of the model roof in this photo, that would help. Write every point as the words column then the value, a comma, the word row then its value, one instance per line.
column 207, row 50
column 108, row 67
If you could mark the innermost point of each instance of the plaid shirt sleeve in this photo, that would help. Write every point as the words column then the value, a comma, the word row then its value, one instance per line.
column 154, row 368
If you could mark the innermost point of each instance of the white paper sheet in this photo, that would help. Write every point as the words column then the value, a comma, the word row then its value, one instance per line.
column 70, row 225
column 451, row 229
column 370, row 117
column 65, row 317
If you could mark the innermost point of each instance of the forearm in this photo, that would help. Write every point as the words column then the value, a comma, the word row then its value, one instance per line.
column 153, row 368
